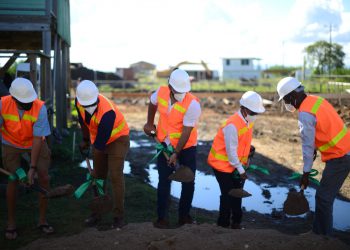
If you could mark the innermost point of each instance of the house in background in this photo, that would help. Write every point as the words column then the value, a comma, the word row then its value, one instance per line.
column 143, row 69
column 241, row 68
column 125, row 73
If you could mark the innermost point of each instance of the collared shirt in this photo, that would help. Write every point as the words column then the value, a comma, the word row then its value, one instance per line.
column 40, row 128
column 307, row 127
column 191, row 116
column 231, row 143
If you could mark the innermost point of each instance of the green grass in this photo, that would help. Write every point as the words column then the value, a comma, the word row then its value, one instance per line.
column 315, row 85
column 67, row 214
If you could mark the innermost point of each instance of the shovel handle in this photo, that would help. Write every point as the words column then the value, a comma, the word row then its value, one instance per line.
column 94, row 187
column 88, row 165
column 5, row 172
column 157, row 141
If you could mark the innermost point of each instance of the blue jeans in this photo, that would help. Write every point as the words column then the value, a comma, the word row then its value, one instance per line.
column 186, row 157
column 333, row 177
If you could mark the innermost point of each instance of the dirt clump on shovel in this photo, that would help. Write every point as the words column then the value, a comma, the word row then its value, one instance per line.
column 296, row 203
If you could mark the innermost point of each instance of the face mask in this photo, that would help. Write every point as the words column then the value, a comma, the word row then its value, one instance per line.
column 251, row 118
column 289, row 107
column 179, row 97
column 91, row 109
column 26, row 106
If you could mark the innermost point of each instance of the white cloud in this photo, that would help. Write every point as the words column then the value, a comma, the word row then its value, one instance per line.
column 114, row 33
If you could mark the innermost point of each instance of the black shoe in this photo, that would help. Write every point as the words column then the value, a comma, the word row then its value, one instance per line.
column 118, row 222
column 237, row 226
column 186, row 220
column 92, row 220
column 161, row 223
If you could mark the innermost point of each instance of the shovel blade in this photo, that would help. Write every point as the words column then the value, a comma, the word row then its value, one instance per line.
column 182, row 174
column 296, row 204
column 239, row 193
column 101, row 204
column 61, row 191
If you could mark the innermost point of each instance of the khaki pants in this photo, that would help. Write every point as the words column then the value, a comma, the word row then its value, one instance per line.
column 11, row 157
column 111, row 161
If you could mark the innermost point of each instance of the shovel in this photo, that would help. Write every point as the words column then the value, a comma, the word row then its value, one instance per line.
column 101, row 204
column 239, row 193
column 296, row 203
column 53, row 193
column 180, row 174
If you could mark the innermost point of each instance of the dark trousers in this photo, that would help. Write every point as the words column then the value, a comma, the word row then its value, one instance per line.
column 230, row 207
column 333, row 177
column 187, row 157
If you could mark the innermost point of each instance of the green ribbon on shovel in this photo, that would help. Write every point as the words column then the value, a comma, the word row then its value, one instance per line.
column 89, row 180
column 169, row 150
column 19, row 175
column 252, row 168
column 313, row 173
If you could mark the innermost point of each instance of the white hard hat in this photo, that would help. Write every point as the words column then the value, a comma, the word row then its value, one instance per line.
column 87, row 93
column 180, row 81
column 287, row 85
column 252, row 101
column 22, row 89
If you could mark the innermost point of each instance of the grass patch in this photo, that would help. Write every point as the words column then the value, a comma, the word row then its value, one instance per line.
column 264, row 85
column 67, row 214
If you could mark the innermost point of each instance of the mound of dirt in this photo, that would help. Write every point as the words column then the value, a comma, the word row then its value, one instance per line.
column 204, row 236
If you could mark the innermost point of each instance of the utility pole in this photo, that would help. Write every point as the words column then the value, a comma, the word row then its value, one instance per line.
column 330, row 50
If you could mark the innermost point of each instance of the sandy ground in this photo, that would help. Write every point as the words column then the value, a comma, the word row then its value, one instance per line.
column 205, row 236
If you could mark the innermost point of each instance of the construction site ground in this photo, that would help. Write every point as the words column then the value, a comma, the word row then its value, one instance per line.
column 276, row 132
column 278, row 148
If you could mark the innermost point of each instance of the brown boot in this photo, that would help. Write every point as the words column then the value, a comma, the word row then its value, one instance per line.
column 161, row 223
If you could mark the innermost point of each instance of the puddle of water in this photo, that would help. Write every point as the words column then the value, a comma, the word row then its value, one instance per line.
column 126, row 170
column 207, row 194
column 140, row 143
column 134, row 144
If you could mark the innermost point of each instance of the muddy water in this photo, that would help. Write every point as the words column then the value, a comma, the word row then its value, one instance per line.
column 264, row 198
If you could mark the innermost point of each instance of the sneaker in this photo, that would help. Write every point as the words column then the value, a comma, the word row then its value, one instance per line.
column 186, row 220
column 92, row 220
column 118, row 222
column 161, row 223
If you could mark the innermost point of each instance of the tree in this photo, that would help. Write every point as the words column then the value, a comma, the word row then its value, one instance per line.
column 323, row 56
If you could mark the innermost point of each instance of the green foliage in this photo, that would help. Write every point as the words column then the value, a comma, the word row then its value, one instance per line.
column 323, row 56
column 281, row 70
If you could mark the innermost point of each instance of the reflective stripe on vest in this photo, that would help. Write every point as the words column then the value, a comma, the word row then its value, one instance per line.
column 222, row 157
column 118, row 129
column 317, row 105
column 120, row 126
column 162, row 102
column 336, row 138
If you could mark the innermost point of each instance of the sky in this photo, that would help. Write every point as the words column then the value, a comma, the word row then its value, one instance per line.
column 107, row 34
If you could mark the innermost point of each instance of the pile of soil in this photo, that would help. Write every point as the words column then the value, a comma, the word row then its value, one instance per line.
column 204, row 236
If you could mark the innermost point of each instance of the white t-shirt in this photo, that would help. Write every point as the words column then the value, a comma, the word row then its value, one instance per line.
column 191, row 116
column 231, row 143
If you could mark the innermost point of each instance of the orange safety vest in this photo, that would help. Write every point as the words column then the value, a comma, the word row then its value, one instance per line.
column 171, row 124
column 332, row 137
column 218, row 158
column 18, row 131
column 104, row 105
